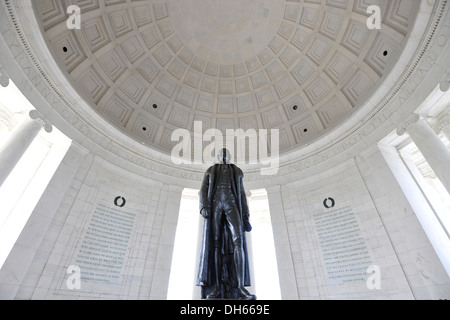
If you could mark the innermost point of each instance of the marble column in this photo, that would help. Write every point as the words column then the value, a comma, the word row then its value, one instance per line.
column 171, row 195
column 6, row 118
column 286, row 272
column 432, row 148
column 24, row 267
column 443, row 125
column 19, row 141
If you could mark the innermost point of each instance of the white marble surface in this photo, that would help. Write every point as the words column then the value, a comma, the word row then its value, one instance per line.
column 345, row 165
column 395, row 239
column 433, row 149
column 13, row 149
column 425, row 56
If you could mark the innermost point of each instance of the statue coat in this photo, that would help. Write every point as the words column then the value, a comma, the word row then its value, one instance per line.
column 206, row 271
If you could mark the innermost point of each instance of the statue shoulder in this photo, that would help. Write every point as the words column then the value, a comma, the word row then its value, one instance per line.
column 238, row 170
column 210, row 169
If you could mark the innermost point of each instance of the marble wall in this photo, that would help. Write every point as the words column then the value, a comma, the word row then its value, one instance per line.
column 374, row 225
column 119, row 229
column 413, row 247
column 364, row 190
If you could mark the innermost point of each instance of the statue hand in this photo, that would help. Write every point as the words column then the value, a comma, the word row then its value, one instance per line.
column 205, row 213
column 247, row 226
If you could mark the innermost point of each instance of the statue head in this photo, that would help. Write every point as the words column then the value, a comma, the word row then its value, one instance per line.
column 224, row 156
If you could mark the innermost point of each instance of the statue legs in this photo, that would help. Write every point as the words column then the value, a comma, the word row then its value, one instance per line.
column 240, row 271
column 226, row 215
column 216, row 293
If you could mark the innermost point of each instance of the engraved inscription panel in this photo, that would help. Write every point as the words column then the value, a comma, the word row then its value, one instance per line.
column 103, row 248
column 343, row 248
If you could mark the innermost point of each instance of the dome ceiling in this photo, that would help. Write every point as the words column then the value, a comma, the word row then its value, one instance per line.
column 150, row 67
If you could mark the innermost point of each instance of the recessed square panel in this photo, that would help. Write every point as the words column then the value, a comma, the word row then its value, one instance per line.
column 133, row 49
column 52, row 12
column 179, row 117
column 92, row 85
column 225, row 105
column 301, row 39
column 242, row 85
column 112, row 65
column 266, row 56
column 265, row 98
column 331, row 25
column 186, row 97
column 295, row 106
column 331, row 111
column 253, row 64
column 258, row 80
column 150, row 37
column 166, row 87
column 69, row 49
column 303, row 71
column 319, row 51
column 209, row 84
column 162, row 55
column 156, row 105
column 192, row 78
column 148, row 70
column 95, row 33
column 355, row 37
column 271, row 118
column 177, row 68
column 289, row 56
column 304, row 130
column 357, row 87
column 245, row 104
column 309, row 17
column 160, row 10
column 275, row 69
column 317, row 90
column 226, row 71
column 383, row 50
column 120, row 22
column 340, row 67
column 291, row 12
column 145, row 127
column 285, row 87
column 205, row 103
column 142, row 15
column 225, row 87
column 133, row 88
column 117, row 110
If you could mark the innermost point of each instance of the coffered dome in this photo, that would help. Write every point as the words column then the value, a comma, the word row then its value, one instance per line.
column 150, row 67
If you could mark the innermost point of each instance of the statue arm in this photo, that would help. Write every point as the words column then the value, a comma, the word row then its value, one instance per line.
column 203, row 195
column 244, row 205
column 245, row 210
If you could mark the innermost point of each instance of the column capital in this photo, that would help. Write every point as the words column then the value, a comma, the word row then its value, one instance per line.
column 36, row 115
column 441, row 123
column 411, row 119
column 444, row 85
column 175, row 188
column 4, row 78
column 274, row 188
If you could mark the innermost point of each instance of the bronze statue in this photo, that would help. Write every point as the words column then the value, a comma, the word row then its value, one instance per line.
column 224, row 267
